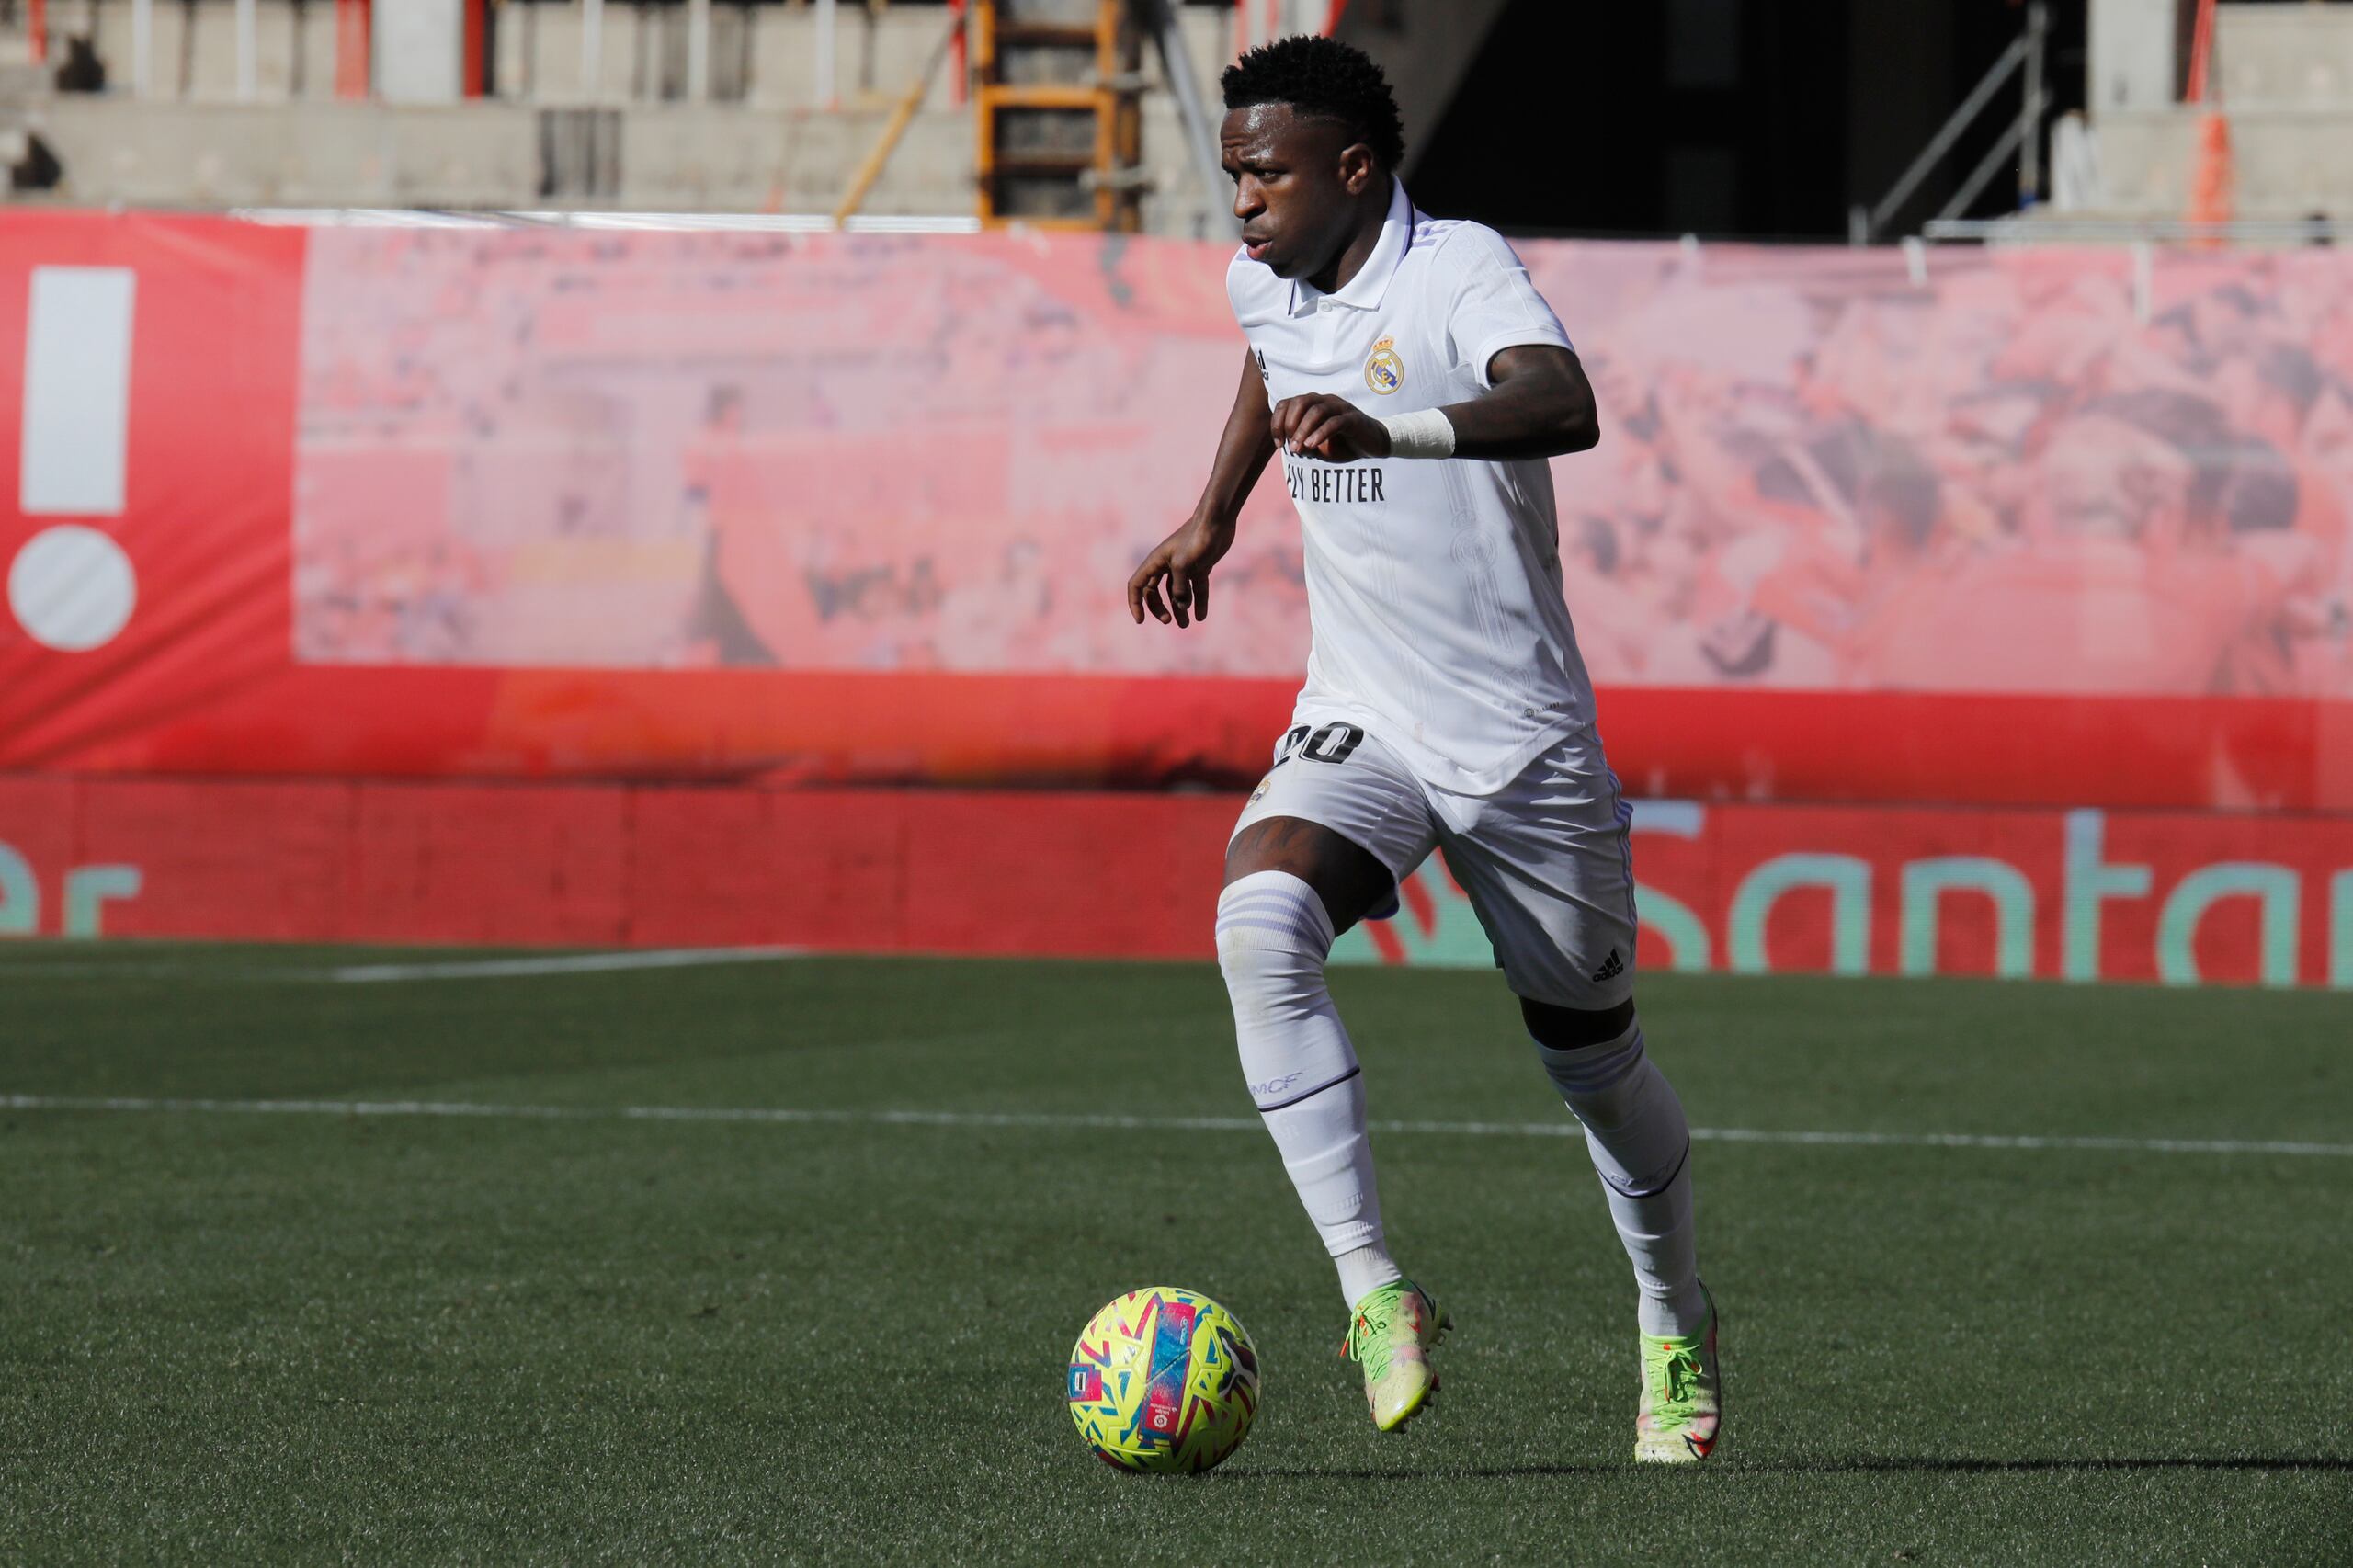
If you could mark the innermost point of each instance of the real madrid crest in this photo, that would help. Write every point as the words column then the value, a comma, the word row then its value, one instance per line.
column 1383, row 371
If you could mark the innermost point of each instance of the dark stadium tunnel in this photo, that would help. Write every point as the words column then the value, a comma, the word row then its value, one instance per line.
column 1722, row 117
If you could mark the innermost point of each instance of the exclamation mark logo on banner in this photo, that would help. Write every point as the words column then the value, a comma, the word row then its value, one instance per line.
column 71, row 588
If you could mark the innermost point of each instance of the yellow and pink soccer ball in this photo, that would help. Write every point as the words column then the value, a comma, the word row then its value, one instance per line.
column 1165, row 1381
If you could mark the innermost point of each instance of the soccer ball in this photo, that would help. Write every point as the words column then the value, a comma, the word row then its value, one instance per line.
column 1164, row 1380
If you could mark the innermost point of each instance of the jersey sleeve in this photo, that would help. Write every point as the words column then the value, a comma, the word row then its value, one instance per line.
column 1493, row 303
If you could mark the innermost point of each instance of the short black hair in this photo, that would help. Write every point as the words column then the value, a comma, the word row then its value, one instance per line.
column 1325, row 79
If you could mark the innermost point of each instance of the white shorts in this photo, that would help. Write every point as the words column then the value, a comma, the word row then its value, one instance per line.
column 1545, row 860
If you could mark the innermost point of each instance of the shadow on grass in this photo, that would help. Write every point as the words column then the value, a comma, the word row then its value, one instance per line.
column 2314, row 1464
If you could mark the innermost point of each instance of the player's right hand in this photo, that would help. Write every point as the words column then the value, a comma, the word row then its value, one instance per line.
column 1182, row 561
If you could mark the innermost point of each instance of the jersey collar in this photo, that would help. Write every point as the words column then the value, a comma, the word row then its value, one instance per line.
column 1364, row 291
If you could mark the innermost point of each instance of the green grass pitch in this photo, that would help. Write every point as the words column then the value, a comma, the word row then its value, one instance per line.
column 228, row 1335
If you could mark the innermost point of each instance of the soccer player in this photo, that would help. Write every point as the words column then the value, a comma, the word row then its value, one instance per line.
column 1416, row 383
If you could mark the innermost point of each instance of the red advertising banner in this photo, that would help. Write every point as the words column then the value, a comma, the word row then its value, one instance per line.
column 527, row 504
column 147, row 414
column 2084, row 895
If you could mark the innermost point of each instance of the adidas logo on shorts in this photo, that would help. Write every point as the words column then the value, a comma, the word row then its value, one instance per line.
column 1611, row 967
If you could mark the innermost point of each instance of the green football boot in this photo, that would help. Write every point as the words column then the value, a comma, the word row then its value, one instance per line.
column 1682, row 1408
column 1391, row 1339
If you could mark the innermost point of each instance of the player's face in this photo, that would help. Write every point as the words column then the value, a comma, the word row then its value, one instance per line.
column 1294, row 181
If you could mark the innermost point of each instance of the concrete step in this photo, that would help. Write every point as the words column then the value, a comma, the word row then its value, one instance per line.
column 766, row 147
column 2284, row 56
column 2290, row 163
column 2287, row 162
column 652, row 157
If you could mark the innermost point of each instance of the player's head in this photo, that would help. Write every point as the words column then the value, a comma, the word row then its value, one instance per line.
column 1311, row 138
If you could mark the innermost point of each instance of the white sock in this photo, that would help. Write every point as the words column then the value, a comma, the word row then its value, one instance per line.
column 1273, row 936
column 1641, row 1150
column 1365, row 1270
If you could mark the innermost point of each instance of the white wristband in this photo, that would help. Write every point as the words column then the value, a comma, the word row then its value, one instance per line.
column 1430, row 433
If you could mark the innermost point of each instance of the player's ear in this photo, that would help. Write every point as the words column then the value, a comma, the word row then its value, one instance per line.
column 1358, row 168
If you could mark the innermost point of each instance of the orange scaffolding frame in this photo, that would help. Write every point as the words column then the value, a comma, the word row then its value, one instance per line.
column 1100, row 187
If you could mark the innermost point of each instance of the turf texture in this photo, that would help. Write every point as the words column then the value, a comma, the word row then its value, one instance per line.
column 227, row 1334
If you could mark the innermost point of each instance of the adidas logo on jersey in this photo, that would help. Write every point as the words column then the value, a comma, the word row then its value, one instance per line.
column 1611, row 967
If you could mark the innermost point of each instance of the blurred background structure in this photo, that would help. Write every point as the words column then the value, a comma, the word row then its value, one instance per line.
column 1722, row 118
column 521, row 471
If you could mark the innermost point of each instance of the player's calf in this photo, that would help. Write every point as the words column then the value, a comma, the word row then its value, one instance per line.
column 1273, row 938
column 1640, row 1146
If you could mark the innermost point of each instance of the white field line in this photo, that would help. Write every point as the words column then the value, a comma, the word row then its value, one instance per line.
column 377, row 973
column 1564, row 1129
column 577, row 963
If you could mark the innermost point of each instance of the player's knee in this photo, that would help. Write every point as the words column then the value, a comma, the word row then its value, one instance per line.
column 1597, row 1077
column 1577, row 1028
column 1273, row 935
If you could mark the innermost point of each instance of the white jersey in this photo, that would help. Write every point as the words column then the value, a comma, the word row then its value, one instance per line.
column 1433, row 587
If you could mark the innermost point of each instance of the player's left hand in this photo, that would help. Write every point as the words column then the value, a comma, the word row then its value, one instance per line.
column 1320, row 424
